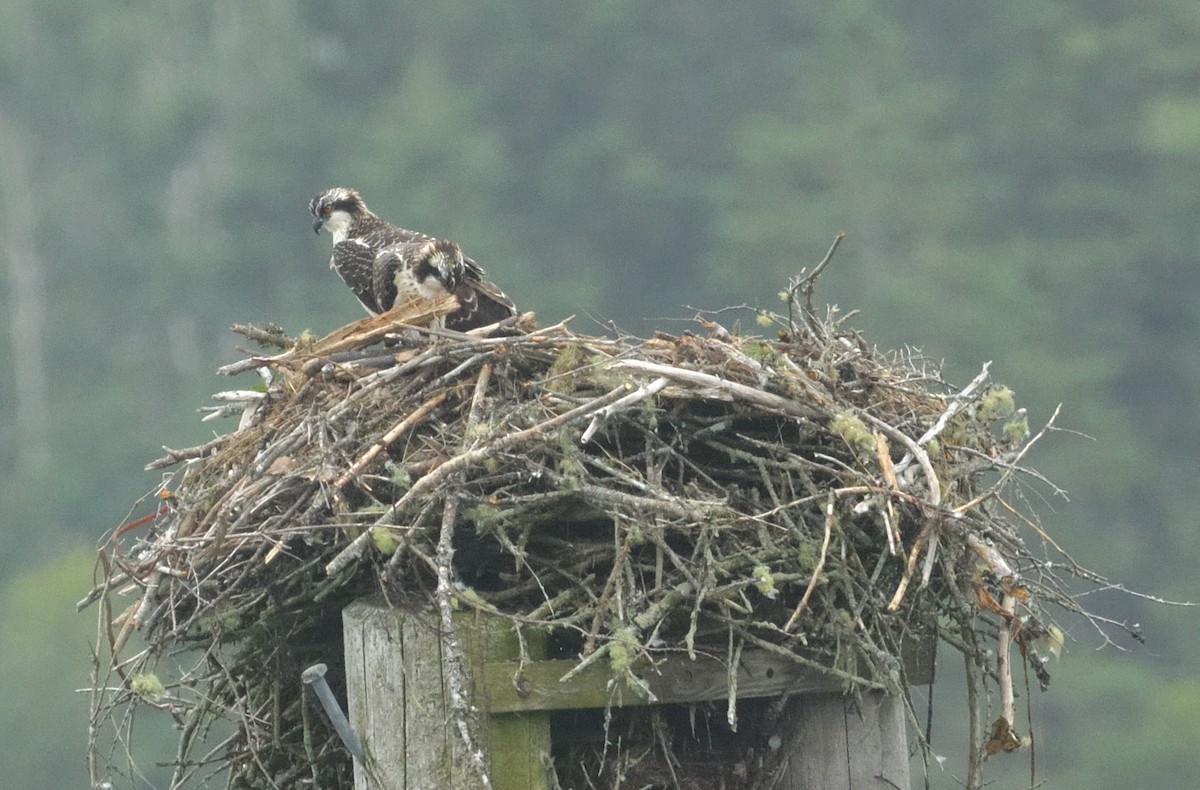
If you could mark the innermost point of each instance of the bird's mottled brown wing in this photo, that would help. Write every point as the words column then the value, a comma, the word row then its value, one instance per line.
column 480, row 303
column 354, row 261
column 388, row 262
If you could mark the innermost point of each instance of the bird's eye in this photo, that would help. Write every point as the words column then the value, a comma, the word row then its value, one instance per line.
column 327, row 209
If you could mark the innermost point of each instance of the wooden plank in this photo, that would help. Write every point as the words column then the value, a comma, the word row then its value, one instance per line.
column 375, row 691
column 399, row 702
column 834, row 743
column 517, row 743
column 396, row 698
column 429, row 739
column 679, row 679
column 518, row 749
column 676, row 679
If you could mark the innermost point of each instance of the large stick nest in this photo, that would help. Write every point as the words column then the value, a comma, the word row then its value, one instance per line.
column 632, row 497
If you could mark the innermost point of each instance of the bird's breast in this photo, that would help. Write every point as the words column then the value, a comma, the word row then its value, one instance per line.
column 408, row 286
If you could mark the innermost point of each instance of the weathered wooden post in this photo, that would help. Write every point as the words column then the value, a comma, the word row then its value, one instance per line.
column 399, row 701
column 399, row 705
column 835, row 743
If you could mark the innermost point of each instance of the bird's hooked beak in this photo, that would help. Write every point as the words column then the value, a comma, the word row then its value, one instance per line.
column 317, row 223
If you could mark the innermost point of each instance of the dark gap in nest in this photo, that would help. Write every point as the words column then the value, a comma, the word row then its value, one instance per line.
column 659, row 748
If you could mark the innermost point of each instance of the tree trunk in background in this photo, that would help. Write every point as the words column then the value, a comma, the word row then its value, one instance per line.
column 26, row 302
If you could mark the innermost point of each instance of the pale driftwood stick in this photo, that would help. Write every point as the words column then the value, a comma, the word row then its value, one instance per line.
column 264, row 336
column 352, row 551
column 481, row 384
column 930, row 533
column 118, row 578
column 910, row 566
column 250, row 363
column 373, row 328
column 219, row 412
column 173, row 457
column 586, row 662
column 733, row 661
column 398, row 430
column 358, row 334
column 992, row 556
column 1003, row 663
column 956, row 403
column 816, row 574
column 640, row 394
column 458, row 369
column 731, row 389
column 479, row 333
column 238, row 396
column 883, row 453
column 134, row 621
column 931, row 478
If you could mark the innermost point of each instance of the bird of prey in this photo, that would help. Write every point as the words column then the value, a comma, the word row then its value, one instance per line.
column 384, row 264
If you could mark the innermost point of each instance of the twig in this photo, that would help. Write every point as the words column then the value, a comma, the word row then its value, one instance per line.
column 807, row 283
column 820, row 566
column 929, row 535
column 729, row 389
column 173, row 457
column 999, row 484
column 395, row 433
column 269, row 335
column 734, row 660
column 641, row 393
column 956, row 403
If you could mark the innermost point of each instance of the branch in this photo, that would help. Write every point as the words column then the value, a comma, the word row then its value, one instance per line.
column 729, row 390
column 956, row 403
column 395, row 433
column 816, row 574
column 173, row 457
column 640, row 394
column 452, row 660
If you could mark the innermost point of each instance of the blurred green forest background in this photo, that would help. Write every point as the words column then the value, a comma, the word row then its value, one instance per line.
column 1018, row 182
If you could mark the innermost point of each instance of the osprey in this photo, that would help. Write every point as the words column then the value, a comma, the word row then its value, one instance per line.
column 384, row 264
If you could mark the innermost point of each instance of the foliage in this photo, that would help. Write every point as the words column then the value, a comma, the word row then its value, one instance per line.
column 41, row 729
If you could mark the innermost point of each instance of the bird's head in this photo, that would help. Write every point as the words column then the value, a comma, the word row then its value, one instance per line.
column 336, row 210
column 441, row 259
column 443, row 254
